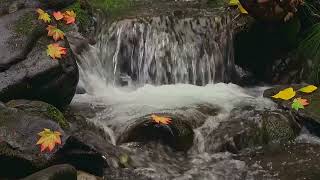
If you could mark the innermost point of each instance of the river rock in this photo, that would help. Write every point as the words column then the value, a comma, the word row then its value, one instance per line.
column 26, row 71
column 248, row 127
column 57, row 172
column 310, row 115
column 20, row 123
column 177, row 134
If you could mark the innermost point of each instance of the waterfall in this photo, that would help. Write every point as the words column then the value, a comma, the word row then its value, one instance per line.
column 160, row 50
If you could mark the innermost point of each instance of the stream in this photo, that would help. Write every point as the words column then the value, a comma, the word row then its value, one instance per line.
column 181, row 67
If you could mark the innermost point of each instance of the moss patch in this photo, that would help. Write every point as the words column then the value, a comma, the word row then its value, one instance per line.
column 57, row 116
column 25, row 24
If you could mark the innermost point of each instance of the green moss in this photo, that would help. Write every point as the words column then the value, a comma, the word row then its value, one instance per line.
column 25, row 24
column 57, row 116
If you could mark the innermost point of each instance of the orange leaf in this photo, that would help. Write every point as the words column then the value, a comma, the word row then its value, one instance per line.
column 43, row 16
column 161, row 120
column 48, row 139
column 69, row 17
column 55, row 32
column 55, row 50
column 58, row 15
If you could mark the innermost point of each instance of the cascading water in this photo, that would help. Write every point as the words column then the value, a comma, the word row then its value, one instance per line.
column 153, row 65
column 162, row 50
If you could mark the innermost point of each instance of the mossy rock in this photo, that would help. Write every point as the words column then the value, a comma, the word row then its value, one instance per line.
column 310, row 115
column 40, row 108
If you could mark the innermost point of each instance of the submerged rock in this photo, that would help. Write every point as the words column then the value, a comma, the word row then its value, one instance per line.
column 309, row 116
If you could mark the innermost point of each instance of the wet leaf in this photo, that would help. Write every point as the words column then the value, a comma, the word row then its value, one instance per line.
column 69, row 17
column 49, row 139
column 285, row 94
column 58, row 15
column 299, row 103
column 55, row 32
column 43, row 16
column 161, row 120
column 55, row 51
column 308, row 89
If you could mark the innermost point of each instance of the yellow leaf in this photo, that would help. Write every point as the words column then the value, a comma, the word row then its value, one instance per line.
column 242, row 10
column 308, row 89
column 55, row 51
column 285, row 94
column 43, row 16
column 161, row 120
column 48, row 139
column 55, row 32
column 234, row 2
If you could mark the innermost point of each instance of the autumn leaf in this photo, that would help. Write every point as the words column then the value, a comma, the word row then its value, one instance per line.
column 161, row 120
column 48, row 139
column 58, row 15
column 308, row 89
column 55, row 32
column 69, row 17
column 43, row 16
column 240, row 7
column 299, row 103
column 285, row 94
column 55, row 51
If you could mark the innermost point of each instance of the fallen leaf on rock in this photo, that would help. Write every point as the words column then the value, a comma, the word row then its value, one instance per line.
column 58, row 15
column 69, row 17
column 161, row 120
column 299, row 103
column 56, row 51
column 55, row 32
column 308, row 89
column 285, row 94
column 49, row 139
column 43, row 16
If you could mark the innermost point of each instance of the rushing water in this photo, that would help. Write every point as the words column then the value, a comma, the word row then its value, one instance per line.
column 154, row 65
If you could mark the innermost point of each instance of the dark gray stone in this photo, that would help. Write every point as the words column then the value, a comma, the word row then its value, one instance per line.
column 57, row 172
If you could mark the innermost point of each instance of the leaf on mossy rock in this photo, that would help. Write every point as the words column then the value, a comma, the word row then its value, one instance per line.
column 308, row 89
column 56, row 51
column 285, row 94
column 55, row 32
column 69, row 17
column 49, row 139
column 43, row 16
column 299, row 103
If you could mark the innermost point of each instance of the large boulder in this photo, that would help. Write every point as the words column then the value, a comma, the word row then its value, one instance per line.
column 26, row 72
column 20, row 123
